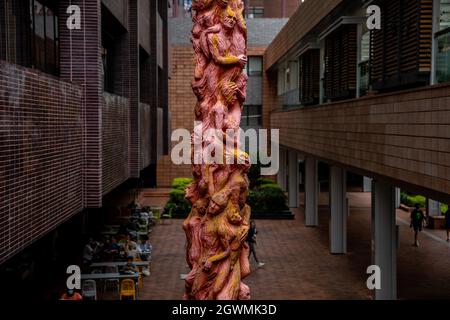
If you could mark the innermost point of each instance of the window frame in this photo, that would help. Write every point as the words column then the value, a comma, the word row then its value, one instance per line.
column 46, row 4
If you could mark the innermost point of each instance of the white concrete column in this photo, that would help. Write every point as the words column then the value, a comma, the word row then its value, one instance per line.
column 384, row 238
column 398, row 199
column 367, row 184
column 338, row 210
column 311, row 192
column 281, row 177
column 293, row 192
column 433, row 208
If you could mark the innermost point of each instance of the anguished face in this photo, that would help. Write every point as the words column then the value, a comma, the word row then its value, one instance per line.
column 229, row 19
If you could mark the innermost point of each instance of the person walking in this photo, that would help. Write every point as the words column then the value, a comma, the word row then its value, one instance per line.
column 417, row 221
column 251, row 239
column 447, row 223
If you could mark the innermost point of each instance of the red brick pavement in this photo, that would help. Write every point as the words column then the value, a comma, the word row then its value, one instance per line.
column 299, row 265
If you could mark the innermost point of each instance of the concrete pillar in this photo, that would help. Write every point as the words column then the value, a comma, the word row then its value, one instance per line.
column 398, row 199
column 384, row 239
column 293, row 193
column 338, row 208
column 367, row 184
column 433, row 208
column 311, row 192
column 281, row 177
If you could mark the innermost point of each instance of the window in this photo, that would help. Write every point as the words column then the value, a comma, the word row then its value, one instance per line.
column 401, row 50
column 29, row 34
column 442, row 43
column 255, row 66
column 340, row 60
column 255, row 12
column 108, row 62
column 251, row 116
column 45, row 40
column 364, row 61
column 309, row 76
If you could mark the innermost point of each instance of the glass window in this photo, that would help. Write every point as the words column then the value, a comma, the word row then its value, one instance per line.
column 444, row 21
column 255, row 12
column 443, row 58
column 442, row 40
column 252, row 116
column 255, row 66
column 363, row 64
column 45, row 40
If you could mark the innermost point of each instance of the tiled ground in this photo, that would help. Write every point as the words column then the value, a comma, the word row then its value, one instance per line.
column 299, row 266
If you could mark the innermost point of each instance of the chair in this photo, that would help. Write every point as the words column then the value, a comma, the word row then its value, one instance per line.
column 127, row 289
column 101, row 282
column 166, row 216
column 89, row 290
column 112, row 282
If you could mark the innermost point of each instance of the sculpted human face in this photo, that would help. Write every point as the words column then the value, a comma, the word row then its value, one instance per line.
column 214, row 208
column 229, row 20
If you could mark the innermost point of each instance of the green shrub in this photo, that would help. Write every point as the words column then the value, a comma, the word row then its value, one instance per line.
column 254, row 174
column 181, row 183
column 269, row 198
column 177, row 204
column 444, row 208
column 263, row 182
column 411, row 200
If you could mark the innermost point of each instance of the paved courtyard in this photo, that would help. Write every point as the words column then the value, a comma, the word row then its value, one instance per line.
column 299, row 265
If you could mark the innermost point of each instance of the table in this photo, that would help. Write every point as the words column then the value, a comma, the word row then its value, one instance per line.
column 119, row 264
column 103, row 276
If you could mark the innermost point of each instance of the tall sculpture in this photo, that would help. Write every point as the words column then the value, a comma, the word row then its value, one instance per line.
column 218, row 224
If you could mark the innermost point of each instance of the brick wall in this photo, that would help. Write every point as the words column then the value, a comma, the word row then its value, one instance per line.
column 115, row 134
column 81, row 64
column 307, row 16
column 40, row 155
column 402, row 136
column 280, row 9
column 181, row 106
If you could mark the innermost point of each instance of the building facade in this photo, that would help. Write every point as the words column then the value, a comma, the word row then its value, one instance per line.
column 83, row 107
column 254, row 9
column 182, row 100
column 375, row 102
column 270, row 9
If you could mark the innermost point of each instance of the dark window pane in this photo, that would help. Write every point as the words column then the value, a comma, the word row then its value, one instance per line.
column 39, row 36
column 255, row 66
column 50, row 40
column 445, row 15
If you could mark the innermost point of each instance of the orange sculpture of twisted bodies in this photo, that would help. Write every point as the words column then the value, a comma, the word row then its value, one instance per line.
column 218, row 224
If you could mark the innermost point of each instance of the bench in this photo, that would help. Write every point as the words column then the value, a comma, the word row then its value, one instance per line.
column 436, row 222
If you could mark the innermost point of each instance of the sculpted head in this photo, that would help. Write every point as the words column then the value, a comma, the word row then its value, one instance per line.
column 233, row 215
column 229, row 19
column 218, row 202
column 200, row 206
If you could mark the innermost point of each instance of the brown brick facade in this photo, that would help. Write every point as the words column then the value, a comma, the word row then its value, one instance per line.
column 402, row 136
column 81, row 64
column 115, row 141
column 308, row 15
column 181, row 106
column 41, row 155
column 64, row 142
